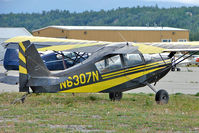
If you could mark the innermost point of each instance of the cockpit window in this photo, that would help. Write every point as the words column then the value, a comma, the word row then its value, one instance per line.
column 109, row 64
column 133, row 59
column 66, row 55
column 69, row 54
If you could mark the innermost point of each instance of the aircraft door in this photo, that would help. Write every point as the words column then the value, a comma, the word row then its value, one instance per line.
column 111, row 69
column 134, row 69
column 110, row 64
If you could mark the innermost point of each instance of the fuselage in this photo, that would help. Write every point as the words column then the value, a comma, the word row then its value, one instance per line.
column 112, row 73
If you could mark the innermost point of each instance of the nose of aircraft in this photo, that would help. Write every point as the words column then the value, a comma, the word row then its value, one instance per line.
column 197, row 59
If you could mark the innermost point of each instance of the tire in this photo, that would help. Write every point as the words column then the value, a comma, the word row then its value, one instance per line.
column 111, row 96
column 162, row 97
column 178, row 69
column 115, row 96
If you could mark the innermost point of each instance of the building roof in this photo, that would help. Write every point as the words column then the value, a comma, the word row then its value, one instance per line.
column 113, row 28
column 9, row 32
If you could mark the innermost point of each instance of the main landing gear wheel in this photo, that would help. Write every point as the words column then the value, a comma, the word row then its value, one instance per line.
column 178, row 69
column 115, row 96
column 162, row 97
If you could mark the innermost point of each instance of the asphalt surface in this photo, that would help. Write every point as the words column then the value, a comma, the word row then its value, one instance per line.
column 7, row 87
column 186, row 81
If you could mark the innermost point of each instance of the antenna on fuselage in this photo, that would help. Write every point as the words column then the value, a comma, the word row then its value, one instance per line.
column 123, row 38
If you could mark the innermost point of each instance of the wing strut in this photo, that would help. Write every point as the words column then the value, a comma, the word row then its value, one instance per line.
column 162, row 58
column 63, row 61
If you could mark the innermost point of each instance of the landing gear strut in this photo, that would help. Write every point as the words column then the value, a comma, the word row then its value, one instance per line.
column 115, row 96
column 161, row 97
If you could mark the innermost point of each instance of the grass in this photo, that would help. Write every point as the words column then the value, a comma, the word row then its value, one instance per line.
column 96, row 113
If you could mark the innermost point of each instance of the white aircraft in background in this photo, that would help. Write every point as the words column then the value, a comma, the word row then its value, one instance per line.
column 194, row 60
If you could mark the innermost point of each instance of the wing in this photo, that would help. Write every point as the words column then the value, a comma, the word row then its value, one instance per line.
column 56, row 44
column 150, row 48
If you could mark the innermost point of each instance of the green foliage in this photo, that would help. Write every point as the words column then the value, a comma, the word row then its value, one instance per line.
column 178, row 94
column 197, row 94
column 184, row 17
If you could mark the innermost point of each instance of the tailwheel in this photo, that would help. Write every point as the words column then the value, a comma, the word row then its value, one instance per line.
column 115, row 96
column 162, row 97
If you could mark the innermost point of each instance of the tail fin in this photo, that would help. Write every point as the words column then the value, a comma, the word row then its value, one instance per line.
column 30, row 65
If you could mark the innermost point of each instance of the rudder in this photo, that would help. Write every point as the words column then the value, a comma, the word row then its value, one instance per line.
column 30, row 65
column 23, row 74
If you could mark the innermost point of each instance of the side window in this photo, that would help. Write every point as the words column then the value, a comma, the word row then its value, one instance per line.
column 68, row 55
column 101, row 66
column 133, row 59
column 147, row 57
column 109, row 64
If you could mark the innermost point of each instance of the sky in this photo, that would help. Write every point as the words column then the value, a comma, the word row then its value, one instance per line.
column 37, row 6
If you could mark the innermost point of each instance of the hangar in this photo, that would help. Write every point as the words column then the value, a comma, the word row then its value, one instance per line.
column 116, row 33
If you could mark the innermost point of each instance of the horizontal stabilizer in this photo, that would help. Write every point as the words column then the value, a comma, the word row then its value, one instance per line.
column 11, row 80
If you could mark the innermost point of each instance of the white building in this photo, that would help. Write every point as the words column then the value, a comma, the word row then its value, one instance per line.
column 9, row 32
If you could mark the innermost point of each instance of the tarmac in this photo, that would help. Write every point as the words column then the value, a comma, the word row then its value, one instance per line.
column 186, row 81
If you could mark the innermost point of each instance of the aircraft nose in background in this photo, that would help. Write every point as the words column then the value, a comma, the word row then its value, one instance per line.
column 197, row 59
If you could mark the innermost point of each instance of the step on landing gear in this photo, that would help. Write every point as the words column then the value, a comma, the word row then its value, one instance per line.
column 115, row 96
column 161, row 97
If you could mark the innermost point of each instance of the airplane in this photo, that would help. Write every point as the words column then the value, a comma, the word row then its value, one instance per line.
column 194, row 60
column 54, row 60
column 110, row 68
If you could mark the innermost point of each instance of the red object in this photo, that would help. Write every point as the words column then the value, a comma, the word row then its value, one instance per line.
column 197, row 59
